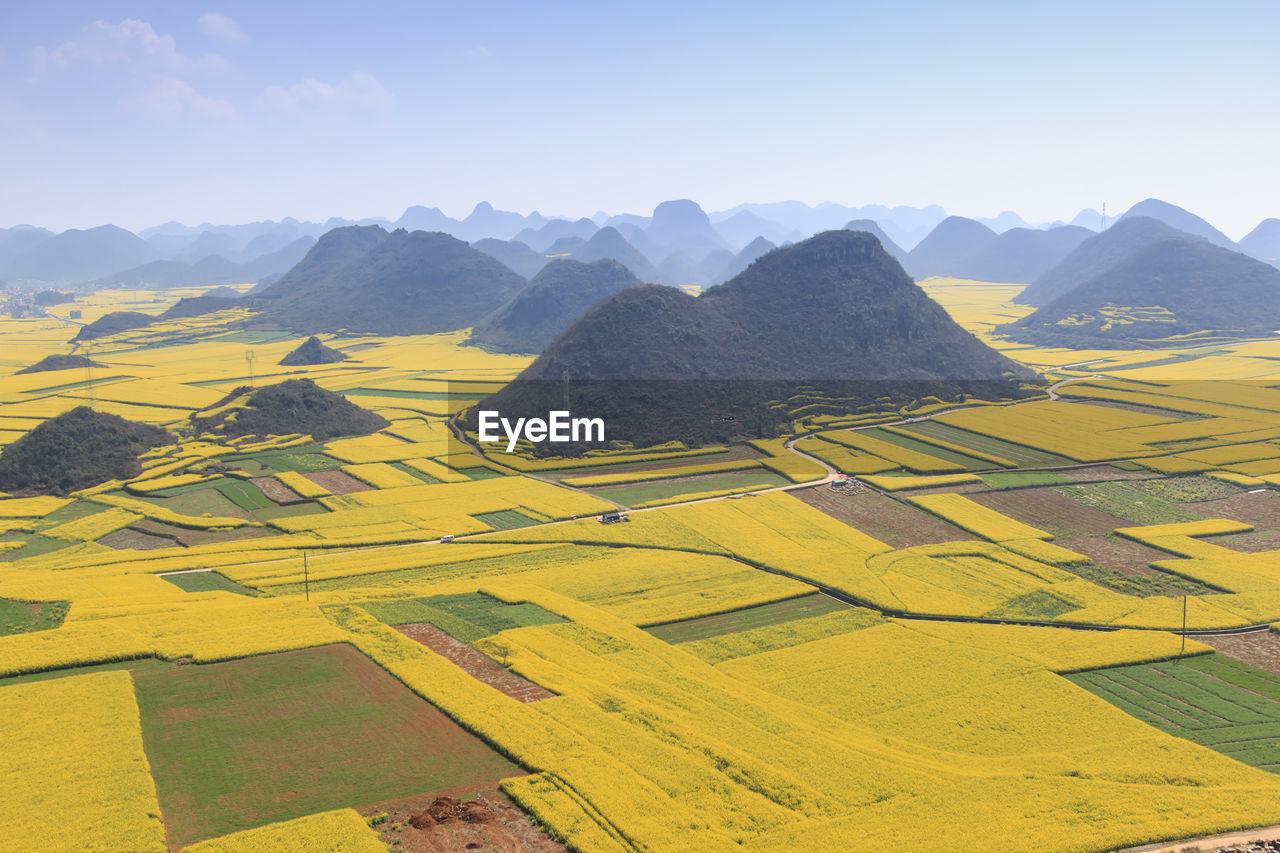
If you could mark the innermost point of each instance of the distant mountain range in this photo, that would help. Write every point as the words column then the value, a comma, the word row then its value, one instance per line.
column 679, row 242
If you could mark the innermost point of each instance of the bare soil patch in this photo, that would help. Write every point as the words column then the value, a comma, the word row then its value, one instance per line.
column 475, row 819
column 1262, row 509
column 1103, row 473
column 130, row 539
column 337, row 482
column 172, row 534
column 1260, row 649
column 276, row 490
column 1121, row 555
column 894, row 523
column 474, row 662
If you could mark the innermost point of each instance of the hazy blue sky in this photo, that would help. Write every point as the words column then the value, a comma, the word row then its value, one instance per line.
column 139, row 112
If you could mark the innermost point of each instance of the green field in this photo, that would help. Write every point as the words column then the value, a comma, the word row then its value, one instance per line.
column 207, row 582
column 243, row 494
column 969, row 463
column 1213, row 700
column 1023, row 457
column 803, row 607
column 480, row 472
column 638, row 493
column 21, row 617
column 249, row 742
column 1133, row 504
column 505, row 519
column 467, row 617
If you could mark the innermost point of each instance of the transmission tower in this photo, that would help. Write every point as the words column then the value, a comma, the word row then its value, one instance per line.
column 1104, row 216
column 248, row 357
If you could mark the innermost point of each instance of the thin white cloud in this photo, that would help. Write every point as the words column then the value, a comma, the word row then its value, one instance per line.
column 129, row 42
column 358, row 91
column 219, row 26
column 174, row 96
column 478, row 53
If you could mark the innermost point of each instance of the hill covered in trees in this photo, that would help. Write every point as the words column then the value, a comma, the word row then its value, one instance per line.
column 59, row 362
column 76, row 450
column 402, row 283
column 832, row 322
column 1176, row 286
column 557, row 296
column 311, row 351
column 292, row 406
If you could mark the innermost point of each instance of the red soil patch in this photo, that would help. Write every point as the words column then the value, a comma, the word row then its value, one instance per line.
column 485, row 819
column 337, row 482
column 474, row 662
column 1261, row 649
column 276, row 490
column 896, row 524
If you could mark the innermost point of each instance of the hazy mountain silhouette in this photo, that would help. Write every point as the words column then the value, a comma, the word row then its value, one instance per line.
column 1198, row 286
column 540, row 238
column 1176, row 217
column 834, row 315
column 515, row 255
column 556, row 296
column 17, row 241
column 1005, row 221
column 1022, row 255
column 871, row 227
column 213, row 269
column 485, row 221
column 608, row 243
column 757, row 247
column 565, row 246
column 682, row 227
column 81, row 255
column 209, row 243
column 1095, row 256
column 1263, row 242
column 408, row 283
column 744, row 226
column 419, row 218
column 948, row 245
column 709, row 268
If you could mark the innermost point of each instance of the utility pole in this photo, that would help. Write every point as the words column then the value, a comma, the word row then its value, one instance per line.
column 1104, row 216
column 1183, row 651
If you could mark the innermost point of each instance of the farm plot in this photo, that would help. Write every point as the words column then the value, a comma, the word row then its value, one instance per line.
column 1021, row 455
column 295, row 733
column 763, row 615
column 1215, row 701
column 894, row 523
column 206, row 582
column 467, row 617
column 19, row 617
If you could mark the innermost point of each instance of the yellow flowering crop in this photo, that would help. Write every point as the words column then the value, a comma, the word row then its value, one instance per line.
column 340, row 831
column 73, row 750
column 976, row 518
